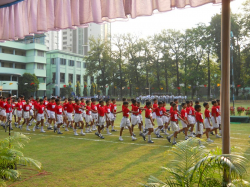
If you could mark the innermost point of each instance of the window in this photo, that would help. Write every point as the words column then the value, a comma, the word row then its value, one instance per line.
column 53, row 61
column 20, row 52
column 4, row 77
column 40, row 66
column 78, row 64
column 41, row 79
column 6, row 64
column 14, row 78
column 62, row 61
column 84, row 65
column 65, row 38
column 71, row 62
column 71, row 78
column 54, row 78
column 40, row 53
column 20, row 66
column 62, row 77
column 78, row 78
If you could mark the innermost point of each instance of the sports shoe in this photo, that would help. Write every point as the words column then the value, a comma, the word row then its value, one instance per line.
column 101, row 137
column 109, row 133
column 37, row 127
column 166, row 133
column 120, row 138
column 83, row 134
column 162, row 130
column 159, row 136
column 191, row 135
column 186, row 138
column 144, row 137
column 218, row 136
column 174, row 143
column 209, row 140
column 133, row 138
column 169, row 139
column 59, row 132
column 150, row 141
column 168, row 128
column 75, row 133
column 87, row 131
column 55, row 129
column 42, row 131
column 211, row 133
column 30, row 124
column 21, row 127
column 14, row 123
column 133, row 134
column 34, row 128
column 49, row 128
column 141, row 134
column 113, row 130
column 97, row 134
column 66, row 129
column 27, row 129
column 202, row 146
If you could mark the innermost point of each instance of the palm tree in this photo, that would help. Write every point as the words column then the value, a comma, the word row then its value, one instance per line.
column 196, row 166
column 10, row 156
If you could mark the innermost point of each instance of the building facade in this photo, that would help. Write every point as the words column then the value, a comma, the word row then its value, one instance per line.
column 53, row 40
column 65, row 68
column 19, row 57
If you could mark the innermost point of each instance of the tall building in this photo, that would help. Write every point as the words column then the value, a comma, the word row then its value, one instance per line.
column 19, row 57
column 53, row 40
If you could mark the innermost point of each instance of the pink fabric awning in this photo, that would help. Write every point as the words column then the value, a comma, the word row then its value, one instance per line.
column 38, row 16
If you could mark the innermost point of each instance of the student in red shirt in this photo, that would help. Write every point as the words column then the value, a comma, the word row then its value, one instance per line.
column 199, row 122
column 125, row 120
column 52, row 108
column 32, row 110
column 191, row 117
column 88, row 117
column 41, row 109
column 8, row 109
column 65, row 119
column 101, row 119
column 140, row 118
column 135, row 116
column 70, row 111
column 155, row 105
column 215, row 115
column 219, row 117
column 19, row 111
column 165, row 118
column 78, row 118
column 26, row 114
column 207, row 123
column 94, row 113
column 185, row 120
column 149, row 123
column 46, row 102
column 82, row 103
column 1, row 111
column 112, row 115
column 107, row 115
column 174, row 125
column 59, row 113
column 14, row 111
column 36, row 102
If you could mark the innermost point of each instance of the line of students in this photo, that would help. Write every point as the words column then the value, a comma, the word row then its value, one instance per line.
column 101, row 115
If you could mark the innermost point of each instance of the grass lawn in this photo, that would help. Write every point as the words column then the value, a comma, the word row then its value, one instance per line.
column 90, row 161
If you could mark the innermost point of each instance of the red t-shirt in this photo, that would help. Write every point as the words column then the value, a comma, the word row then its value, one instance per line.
column 3, row 104
column 23, row 102
column 107, row 109
column 94, row 107
column 171, row 109
column 184, row 114
column 148, row 113
column 51, row 106
column 218, row 110
column 27, row 107
column 65, row 106
column 174, row 116
column 113, row 107
column 140, row 111
column 207, row 113
column 190, row 111
column 45, row 102
column 77, row 109
column 59, row 110
column 125, row 112
column 13, row 105
column 158, row 111
column 82, row 104
column 88, row 110
column 155, row 105
column 19, row 106
column 215, row 111
column 40, row 108
column 101, row 110
column 70, row 107
column 135, row 109
column 199, row 117
column 8, row 108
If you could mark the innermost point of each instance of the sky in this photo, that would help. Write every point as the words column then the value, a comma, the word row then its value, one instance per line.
column 178, row 19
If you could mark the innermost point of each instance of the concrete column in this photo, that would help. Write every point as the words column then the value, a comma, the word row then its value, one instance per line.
column 14, row 52
column 0, row 49
column 57, row 87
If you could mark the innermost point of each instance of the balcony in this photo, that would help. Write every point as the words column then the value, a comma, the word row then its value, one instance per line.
column 9, row 85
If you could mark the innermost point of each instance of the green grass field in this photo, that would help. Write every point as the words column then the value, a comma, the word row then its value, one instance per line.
column 89, row 161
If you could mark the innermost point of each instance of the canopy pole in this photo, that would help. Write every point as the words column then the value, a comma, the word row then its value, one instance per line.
column 225, row 78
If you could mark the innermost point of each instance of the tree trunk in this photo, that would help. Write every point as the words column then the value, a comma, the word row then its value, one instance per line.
column 166, row 77
column 177, row 71
column 208, row 78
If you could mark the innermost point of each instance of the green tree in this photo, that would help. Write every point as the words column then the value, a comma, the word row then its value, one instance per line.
column 85, row 93
column 28, row 84
column 78, row 89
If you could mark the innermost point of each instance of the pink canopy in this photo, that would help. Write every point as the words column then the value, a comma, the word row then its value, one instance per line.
column 37, row 16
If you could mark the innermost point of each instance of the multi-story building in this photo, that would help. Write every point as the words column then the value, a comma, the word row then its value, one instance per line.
column 53, row 40
column 19, row 57
column 64, row 68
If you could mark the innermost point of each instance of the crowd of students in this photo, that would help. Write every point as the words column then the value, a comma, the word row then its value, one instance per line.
column 93, row 115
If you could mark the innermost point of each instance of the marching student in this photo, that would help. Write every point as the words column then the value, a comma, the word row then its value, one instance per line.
column 159, row 113
column 26, row 114
column 14, row 112
column 101, row 119
column 174, row 125
column 32, row 110
column 155, row 105
column 83, row 111
column 125, row 120
column 8, row 109
column 185, row 120
column 70, row 111
column 135, row 119
column 78, row 118
column 141, row 128
column 215, row 115
column 107, row 115
column 45, row 102
column 199, row 123
column 165, row 118
column 41, row 110
column 149, row 123
column 112, row 115
column 219, row 117
column 3, row 110
column 191, row 117
column 65, row 118
column 94, row 113
column 19, row 113
column 1, row 105
column 52, row 108
column 36, row 102
column 88, row 117
column 59, row 113
column 207, row 123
